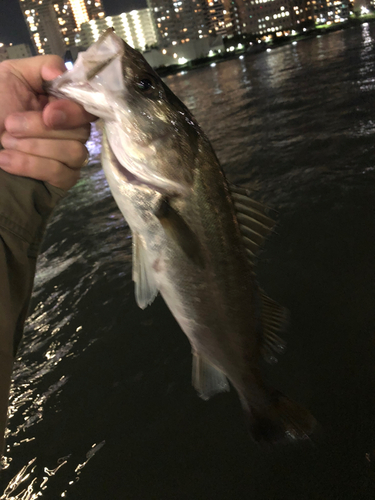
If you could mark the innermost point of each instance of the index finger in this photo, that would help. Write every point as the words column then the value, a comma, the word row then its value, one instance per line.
column 63, row 114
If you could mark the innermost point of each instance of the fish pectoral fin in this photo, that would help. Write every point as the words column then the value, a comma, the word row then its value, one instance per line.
column 275, row 321
column 255, row 224
column 207, row 379
column 143, row 277
column 179, row 231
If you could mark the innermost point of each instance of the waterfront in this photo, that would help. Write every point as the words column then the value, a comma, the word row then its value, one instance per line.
column 297, row 125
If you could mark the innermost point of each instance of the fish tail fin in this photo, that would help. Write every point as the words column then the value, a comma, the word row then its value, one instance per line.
column 282, row 420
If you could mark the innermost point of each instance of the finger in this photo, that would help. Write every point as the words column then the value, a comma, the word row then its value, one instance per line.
column 63, row 114
column 43, row 169
column 37, row 69
column 71, row 153
column 31, row 124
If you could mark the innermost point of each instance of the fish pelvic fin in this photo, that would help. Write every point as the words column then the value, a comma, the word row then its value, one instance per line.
column 179, row 231
column 282, row 421
column 275, row 319
column 207, row 379
column 145, row 285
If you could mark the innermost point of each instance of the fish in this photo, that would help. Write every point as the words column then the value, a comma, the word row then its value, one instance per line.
column 195, row 237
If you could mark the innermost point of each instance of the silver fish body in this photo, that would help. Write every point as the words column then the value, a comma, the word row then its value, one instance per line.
column 194, row 237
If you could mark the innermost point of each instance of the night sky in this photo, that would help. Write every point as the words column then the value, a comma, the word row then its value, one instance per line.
column 13, row 28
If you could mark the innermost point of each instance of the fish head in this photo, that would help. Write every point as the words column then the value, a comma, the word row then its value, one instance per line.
column 149, row 130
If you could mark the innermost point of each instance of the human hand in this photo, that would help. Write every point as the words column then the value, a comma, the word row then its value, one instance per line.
column 43, row 137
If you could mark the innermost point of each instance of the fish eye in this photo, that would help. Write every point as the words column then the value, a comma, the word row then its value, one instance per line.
column 145, row 84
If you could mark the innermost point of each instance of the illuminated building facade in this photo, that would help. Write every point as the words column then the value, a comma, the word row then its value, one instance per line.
column 330, row 11
column 53, row 24
column 135, row 27
column 215, row 17
column 232, row 20
column 264, row 17
column 179, row 21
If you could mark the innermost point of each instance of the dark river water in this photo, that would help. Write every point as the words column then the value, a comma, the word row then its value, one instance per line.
column 102, row 405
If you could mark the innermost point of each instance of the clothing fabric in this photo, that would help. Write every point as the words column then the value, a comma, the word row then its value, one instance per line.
column 25, row 206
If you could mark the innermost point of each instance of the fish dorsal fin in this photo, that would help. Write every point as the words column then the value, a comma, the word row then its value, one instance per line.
column 143, row 277
column 255, row 224
column 275, row 321
column 207, row 379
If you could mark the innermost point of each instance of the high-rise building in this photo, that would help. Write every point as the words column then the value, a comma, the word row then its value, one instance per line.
column 135, row 27
column 215, row 17
column 263, row 17
column 233, row 24
column 53, row 24
column 179, row 21
column 334, row 11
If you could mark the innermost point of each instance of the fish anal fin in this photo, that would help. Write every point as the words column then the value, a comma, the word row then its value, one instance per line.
column 143, row 277
column 275, row 319
column 207, row 379
column 179, row 231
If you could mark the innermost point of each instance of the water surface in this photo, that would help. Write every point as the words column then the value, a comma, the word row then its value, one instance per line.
column 102, row 404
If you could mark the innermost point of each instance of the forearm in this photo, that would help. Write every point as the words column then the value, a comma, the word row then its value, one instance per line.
column 25, row 206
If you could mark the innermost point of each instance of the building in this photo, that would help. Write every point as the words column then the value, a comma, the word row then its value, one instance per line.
column 182, row 53
column 179, row 21
column 19, row 51
column 215, row 17
column 53, row 24
column 135, row 27
column 330, row 11
column 14, row 51
column 302, row 13
column 233, row 25
column 3, row 52
column 265, row 17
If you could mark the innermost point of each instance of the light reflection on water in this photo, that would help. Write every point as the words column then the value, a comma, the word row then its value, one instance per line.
column 296, row 124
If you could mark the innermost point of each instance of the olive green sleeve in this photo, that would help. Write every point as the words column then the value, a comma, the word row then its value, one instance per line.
column 25, row 205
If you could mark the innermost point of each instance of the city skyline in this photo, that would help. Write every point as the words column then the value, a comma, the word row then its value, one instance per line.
column 13, row 28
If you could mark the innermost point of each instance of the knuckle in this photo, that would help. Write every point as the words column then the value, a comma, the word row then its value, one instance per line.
column 25, row 162
column 84, row 132
column 65, row 177
column 31, row 146
column 78, row 152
